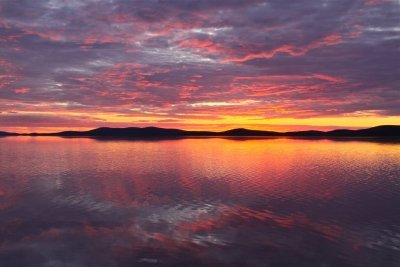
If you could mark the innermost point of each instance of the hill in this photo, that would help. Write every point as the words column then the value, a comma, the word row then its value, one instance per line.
column 6, row 133
column 379, row 131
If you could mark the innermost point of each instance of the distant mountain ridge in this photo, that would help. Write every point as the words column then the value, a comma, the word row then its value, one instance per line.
column 6, row 133
column 378, row 131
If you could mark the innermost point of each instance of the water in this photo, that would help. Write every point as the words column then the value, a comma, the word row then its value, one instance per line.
column 199, row 202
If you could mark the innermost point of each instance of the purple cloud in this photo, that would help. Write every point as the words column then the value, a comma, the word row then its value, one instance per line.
column 135, row 58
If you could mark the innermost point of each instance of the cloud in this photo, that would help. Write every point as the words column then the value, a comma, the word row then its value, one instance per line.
column 301, row 58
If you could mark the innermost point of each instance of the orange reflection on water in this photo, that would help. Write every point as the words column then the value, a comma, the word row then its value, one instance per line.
column 195, row 196
column 237, row 167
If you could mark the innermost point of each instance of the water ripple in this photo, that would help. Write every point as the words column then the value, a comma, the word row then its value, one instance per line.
column 199, row 202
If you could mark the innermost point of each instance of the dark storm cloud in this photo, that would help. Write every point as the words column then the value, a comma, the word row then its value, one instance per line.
column 124, row 54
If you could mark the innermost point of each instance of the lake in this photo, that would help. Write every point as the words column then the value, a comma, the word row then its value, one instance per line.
column 199, row 202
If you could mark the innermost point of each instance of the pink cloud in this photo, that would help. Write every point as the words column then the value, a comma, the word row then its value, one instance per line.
column 22, row 90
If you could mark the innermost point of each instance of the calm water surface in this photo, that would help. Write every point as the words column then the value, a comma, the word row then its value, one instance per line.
column 199, row 202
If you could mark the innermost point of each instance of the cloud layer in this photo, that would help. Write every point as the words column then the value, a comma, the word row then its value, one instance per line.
column 126, row 61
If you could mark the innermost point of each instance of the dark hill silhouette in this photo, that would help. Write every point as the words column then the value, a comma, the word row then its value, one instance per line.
column 384, row 131
column 135, row 132
column 6, row 133
column 130, row 131
column 246, row 132
column 305, row 133
column 160, row 132
column 379, row 131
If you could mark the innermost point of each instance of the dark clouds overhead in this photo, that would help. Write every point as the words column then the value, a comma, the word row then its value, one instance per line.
column 175, row 59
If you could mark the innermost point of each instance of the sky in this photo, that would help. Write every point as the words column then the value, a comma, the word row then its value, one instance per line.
column 199, row 64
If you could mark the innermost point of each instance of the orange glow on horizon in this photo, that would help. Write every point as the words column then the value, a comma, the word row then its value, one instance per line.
column 219, row 123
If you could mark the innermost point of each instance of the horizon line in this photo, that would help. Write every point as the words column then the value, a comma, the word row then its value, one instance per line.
column 231, row 130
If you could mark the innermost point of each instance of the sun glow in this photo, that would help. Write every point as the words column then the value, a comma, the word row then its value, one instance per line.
column 90, row 120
